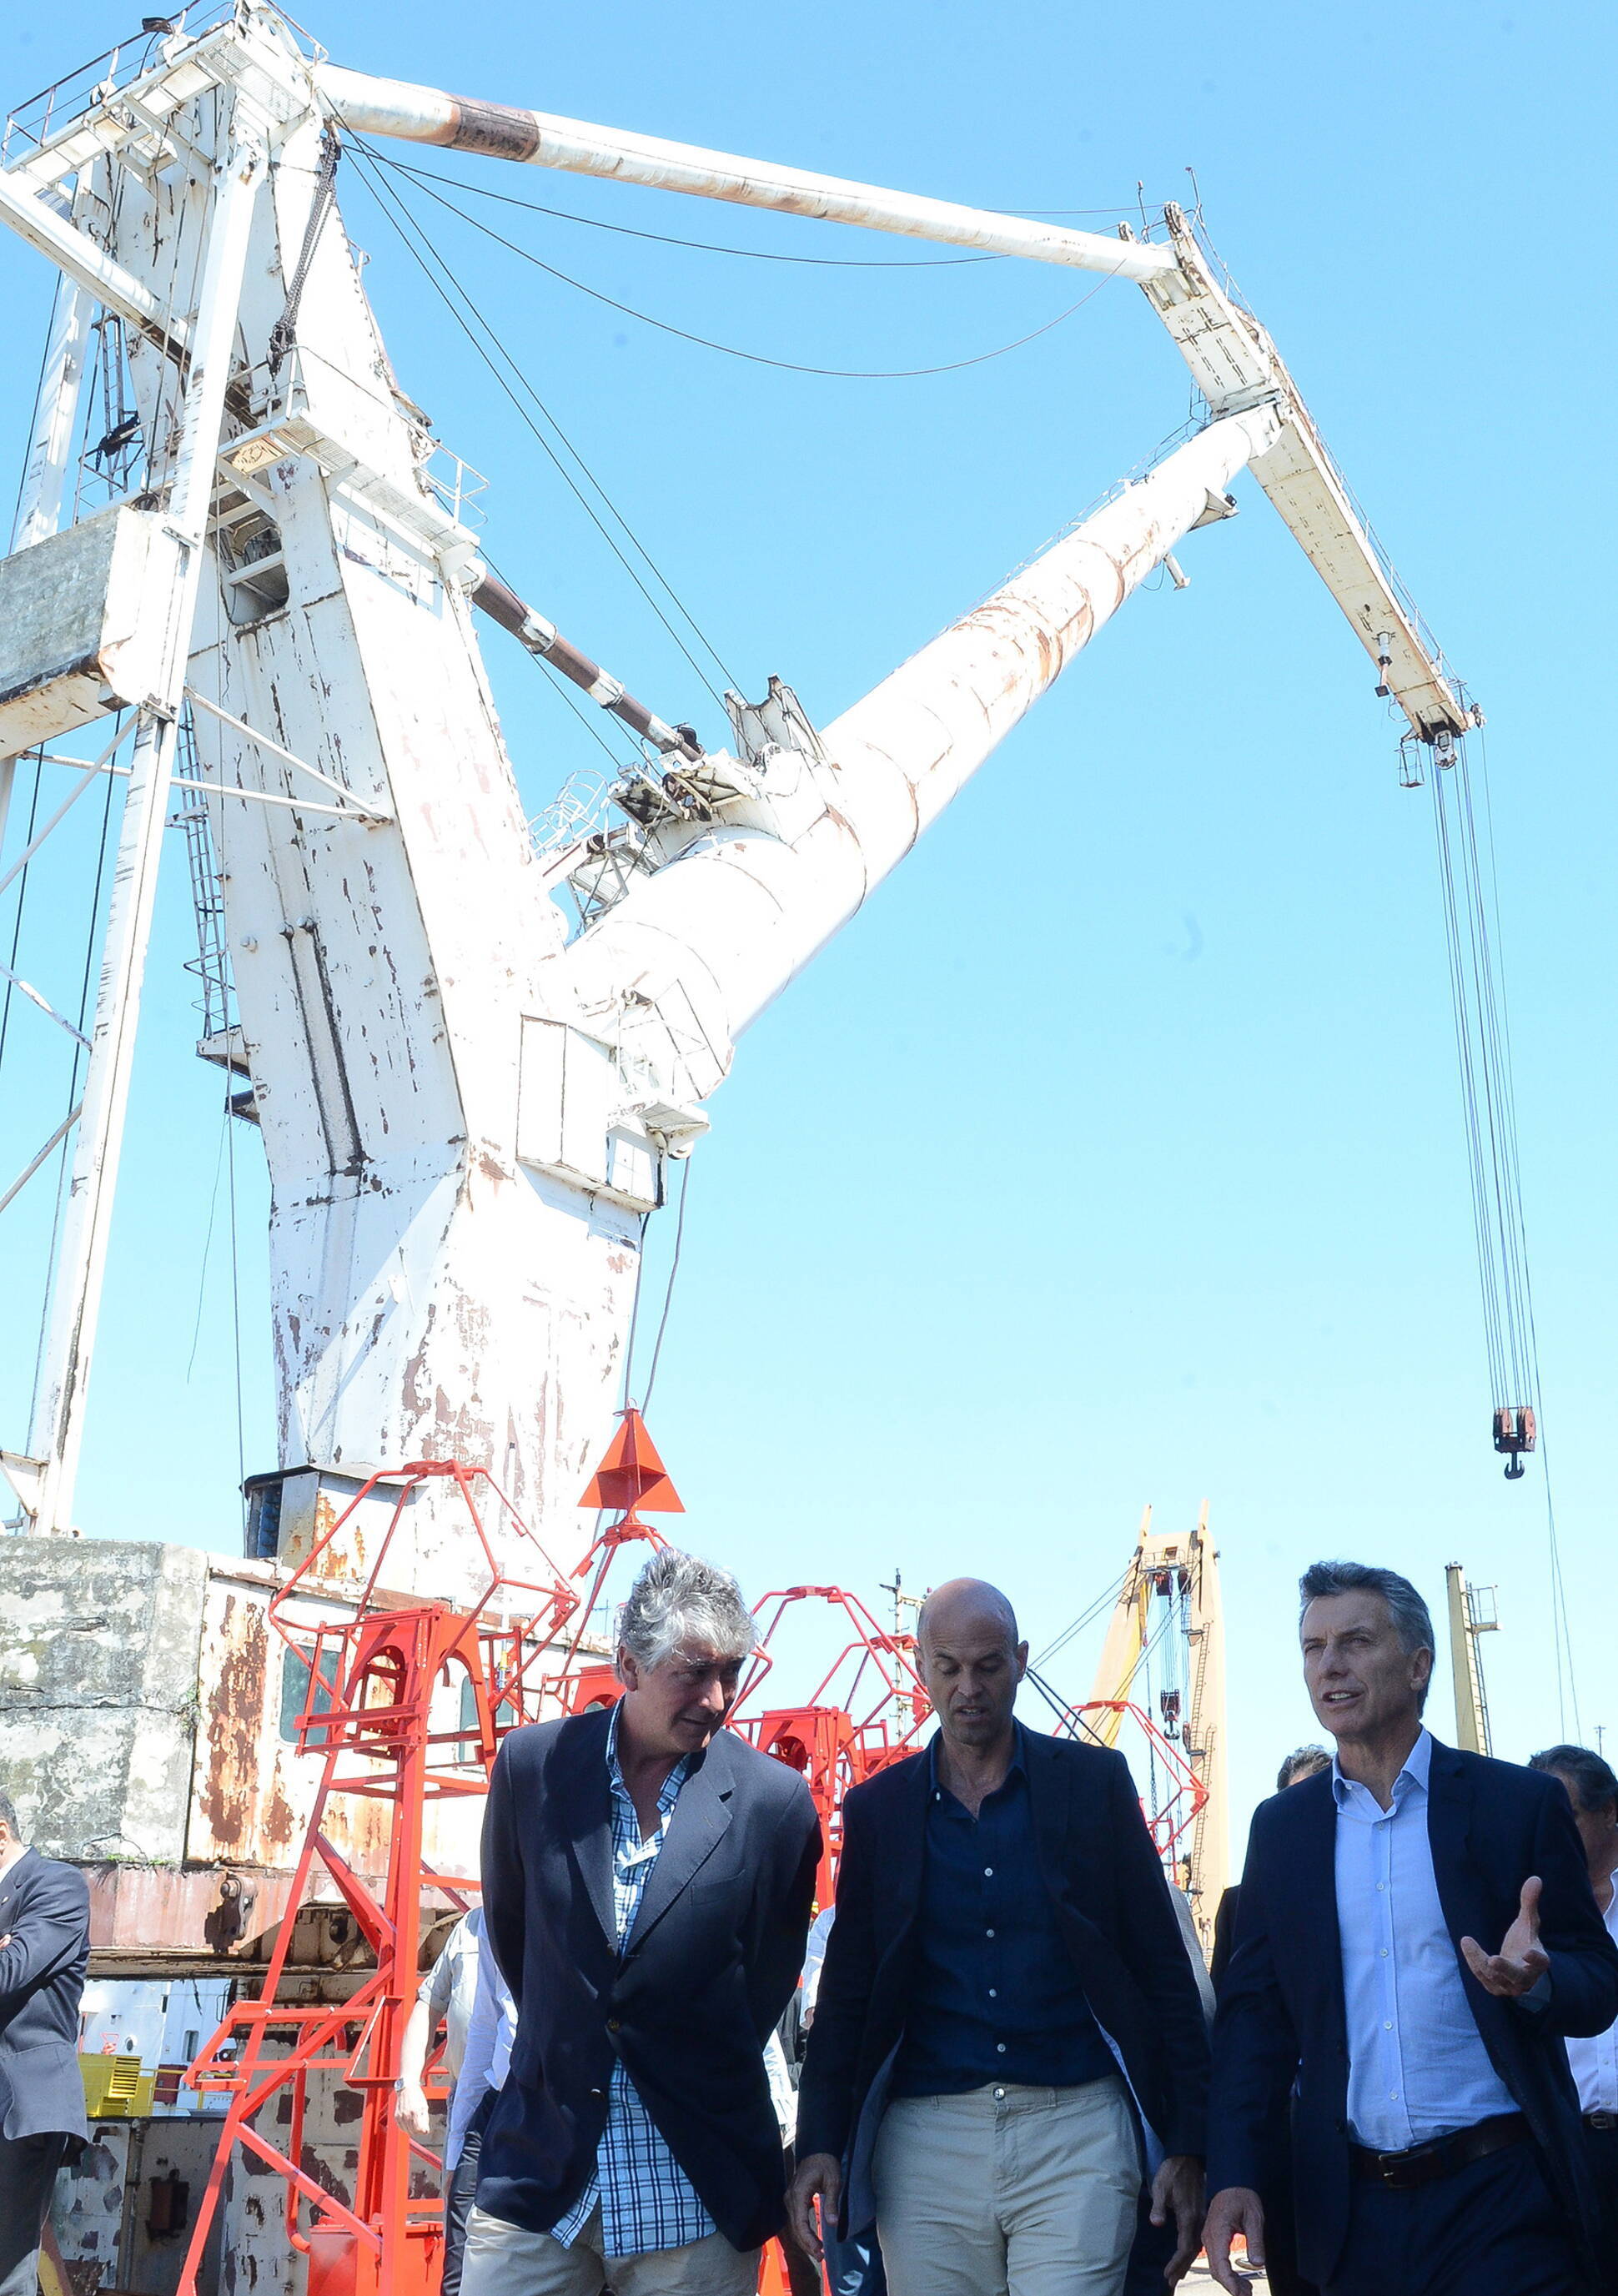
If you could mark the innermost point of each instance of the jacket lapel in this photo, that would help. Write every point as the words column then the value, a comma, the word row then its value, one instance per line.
column 1312, row 1807
column 1465, row 1906
column 693, row 1829
column 1050, row 1784
column 586, row 1811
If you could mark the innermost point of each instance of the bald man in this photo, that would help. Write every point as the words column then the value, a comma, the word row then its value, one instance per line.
column 1005, row 1995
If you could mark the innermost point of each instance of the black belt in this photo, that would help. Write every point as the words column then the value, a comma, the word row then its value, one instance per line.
column 1442, row 2156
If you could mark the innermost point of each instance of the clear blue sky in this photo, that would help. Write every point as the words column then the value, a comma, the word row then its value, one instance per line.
column 1115, row 1153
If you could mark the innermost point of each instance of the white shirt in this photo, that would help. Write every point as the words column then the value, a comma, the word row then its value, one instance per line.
column 1418, row 2067
column 450, row 1984
column 490, row 2030
column 1595, row 2062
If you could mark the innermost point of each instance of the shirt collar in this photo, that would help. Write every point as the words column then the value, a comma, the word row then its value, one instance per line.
column 1417, row 1764
column 670, row 1789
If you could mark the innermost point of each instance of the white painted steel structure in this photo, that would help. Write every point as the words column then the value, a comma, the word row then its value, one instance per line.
column 467, row 1118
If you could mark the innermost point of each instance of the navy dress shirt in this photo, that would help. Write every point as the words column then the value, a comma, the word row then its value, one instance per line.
column 996, row 1996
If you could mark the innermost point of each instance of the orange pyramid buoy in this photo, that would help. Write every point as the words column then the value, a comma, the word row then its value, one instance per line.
column 631, row 1477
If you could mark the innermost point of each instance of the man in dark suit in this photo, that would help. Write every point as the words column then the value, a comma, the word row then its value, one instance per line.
column 1436, row 2133
column 1006, row 1968
column 647, row 1884
column 45, row 1946
column 1593, row 2058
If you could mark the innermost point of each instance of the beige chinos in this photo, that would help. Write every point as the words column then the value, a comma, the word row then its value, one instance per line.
column 502, row 2260
column 1008, row 2191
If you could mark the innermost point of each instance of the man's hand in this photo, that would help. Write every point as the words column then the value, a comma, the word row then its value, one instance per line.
column 819, row 2175
column 411, row 2110
column 1177, row 2190
column 1236, row 2213
column 1522, row 1960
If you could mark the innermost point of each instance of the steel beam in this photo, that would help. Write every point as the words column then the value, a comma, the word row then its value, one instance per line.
column 540, row 139
column 59, row 1408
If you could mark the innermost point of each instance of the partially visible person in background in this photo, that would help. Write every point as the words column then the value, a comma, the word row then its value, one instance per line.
column 44, row 1948
column 1302, row 1762
column 1593, row 1790
column 446, row 1998
column 853, row 2268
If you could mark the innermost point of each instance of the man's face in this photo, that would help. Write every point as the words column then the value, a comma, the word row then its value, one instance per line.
column 971, row 1670
column 676, row 1706
column 1360, row 1683
column 1597, row 1828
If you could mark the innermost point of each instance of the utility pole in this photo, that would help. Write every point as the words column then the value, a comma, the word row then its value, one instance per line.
column 1472, row 1611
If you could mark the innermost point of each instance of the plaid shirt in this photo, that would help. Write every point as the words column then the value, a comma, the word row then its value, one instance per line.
column 645, row 2198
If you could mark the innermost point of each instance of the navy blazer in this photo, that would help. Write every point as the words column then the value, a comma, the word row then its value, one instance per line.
column 1281, row 2018
column 44, row 1907
column 1112, row 1908
column 705, row 1973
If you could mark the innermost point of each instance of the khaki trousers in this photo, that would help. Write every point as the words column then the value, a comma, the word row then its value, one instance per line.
column 502, row 2260
column 1008, row 2191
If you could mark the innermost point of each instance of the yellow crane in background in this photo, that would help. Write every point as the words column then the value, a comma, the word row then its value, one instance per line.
column 1162, row 1669
column 1472, row 1611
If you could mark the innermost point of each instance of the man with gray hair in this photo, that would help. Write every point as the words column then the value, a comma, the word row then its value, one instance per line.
column 647, row 1884
column 1415, row 1937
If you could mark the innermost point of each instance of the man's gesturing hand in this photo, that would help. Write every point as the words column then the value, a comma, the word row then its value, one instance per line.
column 819, row 2175
column 1235, row 2212
column 1177, row 2190
column 1522, row 1960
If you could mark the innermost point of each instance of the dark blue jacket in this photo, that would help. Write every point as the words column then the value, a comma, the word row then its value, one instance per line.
column 709, row 1967
column 1117, row 1921
column 1281, row 2016
column 45, row 1908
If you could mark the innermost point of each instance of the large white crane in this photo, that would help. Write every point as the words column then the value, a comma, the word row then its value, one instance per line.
column 467, row 1116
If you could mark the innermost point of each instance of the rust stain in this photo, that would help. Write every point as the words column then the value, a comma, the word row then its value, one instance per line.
column 234, row 1721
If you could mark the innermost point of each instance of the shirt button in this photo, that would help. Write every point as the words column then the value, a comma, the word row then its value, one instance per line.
column 989, row 1933
column 992, row 1994
column 1382, row 1885
column 1001, row 2047
column 1387, row 2025
column 999, row 2091
column 988, row 1872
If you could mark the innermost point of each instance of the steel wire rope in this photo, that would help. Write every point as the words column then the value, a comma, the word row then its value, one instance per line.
column 759, row 358
column 63, row 1160
column 702, row 246
column 213, row 1207
column 392, row 208
column 22, row 889
column 1561, row 1632
column 713, row 247
column 1478, row 996
column 1102, row 1602
column 674, row 1269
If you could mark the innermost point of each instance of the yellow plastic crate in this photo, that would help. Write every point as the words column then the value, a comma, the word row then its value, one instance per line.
column 114, row 2088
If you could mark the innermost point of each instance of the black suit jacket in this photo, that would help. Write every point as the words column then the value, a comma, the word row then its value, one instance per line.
column 707, row 1970
column 1116, row 1919
column 46, row 1908
column 1281, row 2016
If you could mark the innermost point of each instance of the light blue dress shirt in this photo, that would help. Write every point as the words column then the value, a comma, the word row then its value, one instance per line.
column 1418, row 2067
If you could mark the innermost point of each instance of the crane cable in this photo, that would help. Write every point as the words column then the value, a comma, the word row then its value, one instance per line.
column 1470, row 889
column 759, row 358
column 410, row 231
